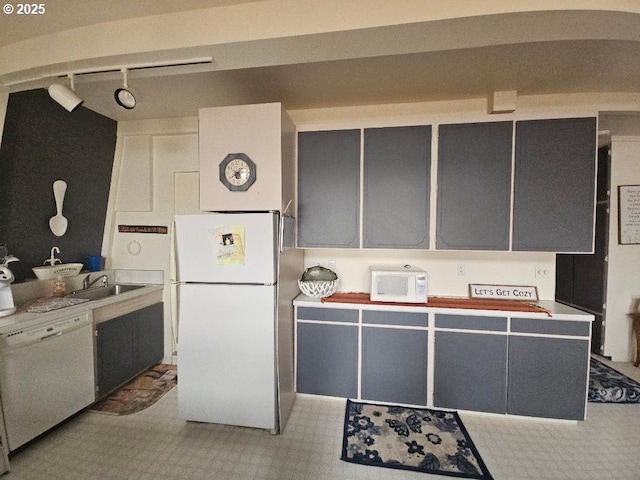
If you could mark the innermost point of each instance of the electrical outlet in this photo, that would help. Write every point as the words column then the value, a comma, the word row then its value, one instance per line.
column 461, row 269
column 331, row 264
column 542, row 272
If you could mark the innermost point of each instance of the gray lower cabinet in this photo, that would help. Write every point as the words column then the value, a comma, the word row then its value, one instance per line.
column 327, row 353
column 394, row 360
column 533, row 371
column 470, row 371
column 397, row 166
column 327, row 359
column 554, row 185
column 470, row 368
column 394, row 365
column 127, row 345
column 548, row 376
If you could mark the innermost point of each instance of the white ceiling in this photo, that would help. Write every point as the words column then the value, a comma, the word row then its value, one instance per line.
column 552, row 66
column 62, row 15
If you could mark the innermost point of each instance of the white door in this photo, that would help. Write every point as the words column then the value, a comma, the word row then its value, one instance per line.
column 226, row 356
column 226, row 248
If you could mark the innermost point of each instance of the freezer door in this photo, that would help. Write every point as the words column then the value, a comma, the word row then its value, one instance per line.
column 226, row 355
column 227, row 248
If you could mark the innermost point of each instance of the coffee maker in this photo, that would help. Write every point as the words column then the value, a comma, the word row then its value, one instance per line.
column 6, row 296
column 6, row 277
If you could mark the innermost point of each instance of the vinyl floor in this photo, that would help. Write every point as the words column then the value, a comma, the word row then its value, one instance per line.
column 156, row 444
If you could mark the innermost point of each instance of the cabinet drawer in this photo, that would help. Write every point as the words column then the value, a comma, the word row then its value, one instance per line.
column 550, row 327
column 469, row 322
column 409, row 319
column 327, row 314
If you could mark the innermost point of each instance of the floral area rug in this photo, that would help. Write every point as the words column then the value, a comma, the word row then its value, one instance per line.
column 421, row 440
column 140, row 393
column 607, row 385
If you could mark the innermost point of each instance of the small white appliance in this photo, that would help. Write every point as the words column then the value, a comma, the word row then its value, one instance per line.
column 7, row 306
column 398, row 284
column 236, row 284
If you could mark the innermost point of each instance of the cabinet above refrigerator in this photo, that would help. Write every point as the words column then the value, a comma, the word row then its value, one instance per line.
column 247, row 158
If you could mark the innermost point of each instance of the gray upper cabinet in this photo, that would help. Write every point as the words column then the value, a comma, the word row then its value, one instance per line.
column 329, row 189
column 397, row 165
column 554, row 185
column 474, row 186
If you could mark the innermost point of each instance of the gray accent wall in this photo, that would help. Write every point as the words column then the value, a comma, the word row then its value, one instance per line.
column 41, row 143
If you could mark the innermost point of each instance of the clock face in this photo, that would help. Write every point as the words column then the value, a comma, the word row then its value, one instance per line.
column 237, row 172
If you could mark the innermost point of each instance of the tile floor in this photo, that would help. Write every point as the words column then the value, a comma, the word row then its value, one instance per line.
column 155, row 444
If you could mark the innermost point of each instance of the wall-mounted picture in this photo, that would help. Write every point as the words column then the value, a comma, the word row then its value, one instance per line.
column 629, row 214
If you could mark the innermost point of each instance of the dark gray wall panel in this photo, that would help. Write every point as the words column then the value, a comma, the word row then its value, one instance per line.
column 395, row 318
column 394, row 365
column 327, row 360
column 329, row 188
column 474, row 186
column 397, row 166
column 328, row 314
column 554, row 186
column 470, row 372
column 547, row 377
column 42, row 143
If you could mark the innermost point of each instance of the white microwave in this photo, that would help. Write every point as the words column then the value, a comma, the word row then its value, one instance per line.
column 400, row 284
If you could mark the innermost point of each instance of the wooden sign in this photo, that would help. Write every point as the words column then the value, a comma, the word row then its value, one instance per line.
column 503, row 292
column 143, row 229
column 629, row 214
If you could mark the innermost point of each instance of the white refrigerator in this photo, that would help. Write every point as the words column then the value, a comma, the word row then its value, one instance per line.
column 236, row 279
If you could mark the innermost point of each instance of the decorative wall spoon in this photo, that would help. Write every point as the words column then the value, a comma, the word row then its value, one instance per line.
column 58, row 223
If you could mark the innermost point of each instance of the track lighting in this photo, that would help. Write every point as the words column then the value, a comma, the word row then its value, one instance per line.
column 123, row 95
column 65, row 96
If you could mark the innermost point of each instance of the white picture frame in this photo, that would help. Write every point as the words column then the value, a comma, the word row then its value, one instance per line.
column 629, row 214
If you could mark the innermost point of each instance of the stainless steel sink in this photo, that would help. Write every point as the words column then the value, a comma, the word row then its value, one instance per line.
column 98, row 293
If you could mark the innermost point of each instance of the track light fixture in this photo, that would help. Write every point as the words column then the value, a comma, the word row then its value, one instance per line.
column 65, row 96
column 123, row 95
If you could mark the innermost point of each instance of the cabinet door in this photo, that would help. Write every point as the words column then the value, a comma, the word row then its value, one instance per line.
column 470, row 371
column 474, row 186
column 327, row 359
column 114, row 353
column 547, row 377
column 554, row 185
column 149, row 336
column 329, row 188
column 394, row 365
column 397, row 166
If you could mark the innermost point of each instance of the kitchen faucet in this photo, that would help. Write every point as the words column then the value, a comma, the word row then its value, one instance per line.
column 86, row 282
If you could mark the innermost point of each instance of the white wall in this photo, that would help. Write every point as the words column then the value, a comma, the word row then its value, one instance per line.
column 4, row 99
column 155, row 151
column 623, row 279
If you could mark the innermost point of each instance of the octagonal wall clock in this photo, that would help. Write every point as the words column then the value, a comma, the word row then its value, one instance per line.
column 237, row 172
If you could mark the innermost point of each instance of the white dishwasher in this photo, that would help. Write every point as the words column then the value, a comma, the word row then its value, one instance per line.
column 46, row 375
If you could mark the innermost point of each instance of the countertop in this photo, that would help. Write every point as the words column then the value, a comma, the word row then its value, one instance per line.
column 549, row 309
column 23, row 319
